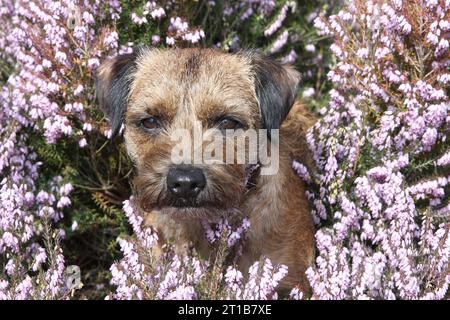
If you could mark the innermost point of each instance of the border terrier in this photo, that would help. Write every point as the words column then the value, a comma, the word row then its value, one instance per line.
column 154, row 92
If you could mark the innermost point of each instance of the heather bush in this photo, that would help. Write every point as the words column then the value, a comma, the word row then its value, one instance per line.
column 381, row 151
column 46, row 123
column 379, row 191
column 60, row 173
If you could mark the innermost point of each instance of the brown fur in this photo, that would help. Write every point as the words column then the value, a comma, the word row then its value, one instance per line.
column 183, row 86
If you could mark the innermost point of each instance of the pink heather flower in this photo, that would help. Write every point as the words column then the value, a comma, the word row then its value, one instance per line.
column 158, row 13
column 296, row 294
column 68, row 107
column 54, row 276
column 382, row 52
column 363, row 53
column 40, row 257
column 178, row 24
column 216, row 231
column 321, row 26
column 442, row 47
column 8, row 240
column 233, row 280
column 61, row 57
column 431, row 3
column 111, row 40
column 247, row 13
column 145, row 235
column 107, row 133
column 310, row 48
column 194, row 37
column 336, row 49
column 128, row 48
column 278, row 21
column 24, row 289
column 432, row 38
column 138, row 20
column 435, row 114
column 78, row 90
column 379, row 174
column 302, row 171
column 63, row 202
column 367, row 252
column 170, row 41
column 279, row 42
column 93, row 63
column 239, row 232
column 42, row 196
column 263, row 280
column 308, row 92
column 88, row 17
column 429, row 189
column 444, row 78
column 87, row 127
column 46, row 63
column 156, row 39
column 66, row 189
column 290, row 58
column 77, row 107
column 82, row 143
column 429, row 138
column 334, row 77
column 444, row 160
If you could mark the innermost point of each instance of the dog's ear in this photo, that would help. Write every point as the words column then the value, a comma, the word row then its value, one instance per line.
column 113, row 80
column 276, row 89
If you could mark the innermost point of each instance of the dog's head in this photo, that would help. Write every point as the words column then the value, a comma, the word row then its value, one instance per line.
column 164, row 96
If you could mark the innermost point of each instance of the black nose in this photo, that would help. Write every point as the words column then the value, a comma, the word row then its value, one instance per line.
column 185, row 181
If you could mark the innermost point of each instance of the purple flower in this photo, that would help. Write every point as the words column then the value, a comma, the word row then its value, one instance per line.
column 156, row 39
column 279, row 42
column 278, row 21
column 377, row 247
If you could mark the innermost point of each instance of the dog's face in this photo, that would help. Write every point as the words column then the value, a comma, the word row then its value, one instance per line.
column 157, row 93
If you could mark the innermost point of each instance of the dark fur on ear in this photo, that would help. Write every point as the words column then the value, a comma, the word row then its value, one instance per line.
column 276, row 88
column 112, row 82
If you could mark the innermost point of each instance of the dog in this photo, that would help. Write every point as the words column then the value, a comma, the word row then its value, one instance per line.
column 154, row 92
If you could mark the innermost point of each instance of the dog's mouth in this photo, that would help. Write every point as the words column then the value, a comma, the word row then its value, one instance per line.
column 185, row 203
column 215, row 201
column 209, row 213
column 184, row 209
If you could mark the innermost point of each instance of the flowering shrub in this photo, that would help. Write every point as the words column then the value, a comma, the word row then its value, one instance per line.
column 381, row 150
column 143, row 275
column 45, row 106
column 62, row 180
column 379, row 192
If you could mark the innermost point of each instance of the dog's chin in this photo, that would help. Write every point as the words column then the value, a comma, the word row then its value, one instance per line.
column 210, row 214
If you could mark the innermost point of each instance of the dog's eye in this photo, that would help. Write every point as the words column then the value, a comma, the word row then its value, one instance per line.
column 230, row 124
column 150, row 123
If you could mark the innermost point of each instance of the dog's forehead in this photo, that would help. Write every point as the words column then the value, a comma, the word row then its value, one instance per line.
column 188, row 65
column 194, row 77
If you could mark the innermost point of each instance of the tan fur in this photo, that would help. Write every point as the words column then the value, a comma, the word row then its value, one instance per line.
column 183, row 86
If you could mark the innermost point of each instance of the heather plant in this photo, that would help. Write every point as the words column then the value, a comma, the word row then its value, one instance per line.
column 380, row 192
column 380, row 187
column 63, row 180
column 145, row 273
column 46, row 115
